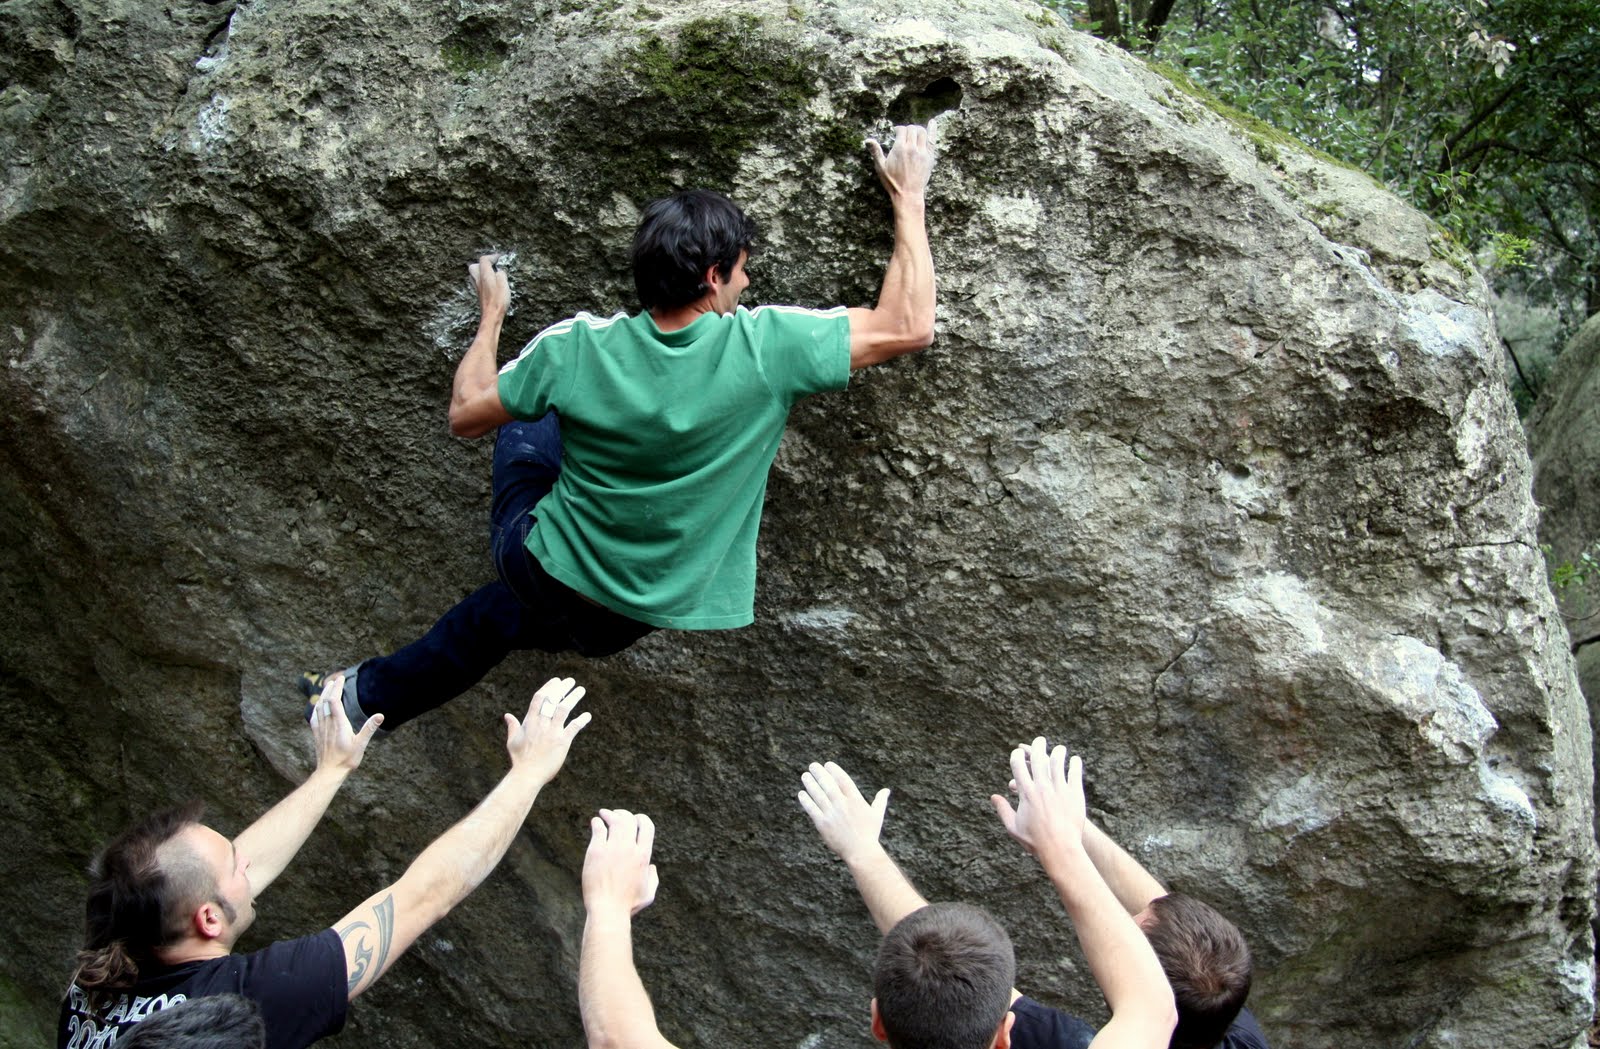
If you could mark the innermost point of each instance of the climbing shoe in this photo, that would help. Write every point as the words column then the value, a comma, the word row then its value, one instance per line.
column 310, row 684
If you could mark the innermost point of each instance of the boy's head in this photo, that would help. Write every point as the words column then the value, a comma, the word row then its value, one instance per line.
column 683, row 236
column 943, row 980
column 1206, row 961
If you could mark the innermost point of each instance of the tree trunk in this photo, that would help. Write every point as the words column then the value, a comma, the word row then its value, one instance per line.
column 1152, row 21
column 1106, row 21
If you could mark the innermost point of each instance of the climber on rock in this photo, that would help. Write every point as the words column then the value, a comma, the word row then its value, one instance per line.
column 631, row 458
column 1203, row 955
column 170, row 897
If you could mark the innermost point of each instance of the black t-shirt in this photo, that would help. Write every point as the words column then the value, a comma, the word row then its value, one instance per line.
column 299, row 984
column 1040, row 1027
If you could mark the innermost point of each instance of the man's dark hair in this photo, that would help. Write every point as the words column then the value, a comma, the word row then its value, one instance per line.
column 682, row 236
column 140, row 898
column 217, row 1021
column 944, row 978
column 1206, row 961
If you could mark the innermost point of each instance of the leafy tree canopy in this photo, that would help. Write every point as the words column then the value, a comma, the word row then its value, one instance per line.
column 1484, row 113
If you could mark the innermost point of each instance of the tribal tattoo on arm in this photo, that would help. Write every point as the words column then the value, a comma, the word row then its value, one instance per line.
column 369, row 959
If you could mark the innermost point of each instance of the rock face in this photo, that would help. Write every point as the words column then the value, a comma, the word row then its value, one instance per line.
column 1211, row 473
column 1564, row 439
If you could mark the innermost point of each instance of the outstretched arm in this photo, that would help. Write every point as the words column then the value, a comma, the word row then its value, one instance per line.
column 903, row 319
column 1049, row 821
column 376, row 933
column 850, row 827
column 619, row 881
column 1134, row 886
column 272, row 841
column 475, row 406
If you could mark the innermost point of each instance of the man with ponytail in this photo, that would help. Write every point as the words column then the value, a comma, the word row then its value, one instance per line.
column 169, row 898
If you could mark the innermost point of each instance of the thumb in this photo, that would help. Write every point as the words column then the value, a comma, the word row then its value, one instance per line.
column 880, row 804
column 1003, row 809
column 512, row 724
column 876, row 150
column 370, row 729
column 647, row 889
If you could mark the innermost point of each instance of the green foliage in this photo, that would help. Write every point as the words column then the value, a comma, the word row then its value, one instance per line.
column 1264, row 137
column 1574, row 573
column 1445, row 247
column 1576, row 584
column 1510, row 250
column 1487, row 116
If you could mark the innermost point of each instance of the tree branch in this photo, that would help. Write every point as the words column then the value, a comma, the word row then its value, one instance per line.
column 1517, row 363
column 1484, row 145
column 1484, row 114
column 1555, row 228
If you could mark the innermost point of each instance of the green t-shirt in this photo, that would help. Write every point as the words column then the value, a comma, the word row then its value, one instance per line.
column 666, row 442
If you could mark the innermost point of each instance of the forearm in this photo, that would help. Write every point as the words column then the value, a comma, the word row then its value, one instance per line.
column 272, row 841
column 462, row 857
column 616, row 1008
column 1134, row 886
column 478, row 373
column 887, row 892
column 1119, row 956
column 908, row 294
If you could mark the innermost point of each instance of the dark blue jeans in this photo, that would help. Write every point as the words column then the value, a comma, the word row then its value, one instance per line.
column 524, row 609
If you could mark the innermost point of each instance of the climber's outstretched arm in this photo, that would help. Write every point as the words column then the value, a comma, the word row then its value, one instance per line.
column 475, row 407
column 902, row 321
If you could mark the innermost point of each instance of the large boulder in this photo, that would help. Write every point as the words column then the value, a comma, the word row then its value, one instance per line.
column 1564, row 440
column 1212, row 473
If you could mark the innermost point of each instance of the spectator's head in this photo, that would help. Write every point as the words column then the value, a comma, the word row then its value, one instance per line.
column 1206, row 961
column 690, row 244
column 944, row 980
column 218, row 1021
column 166, row 881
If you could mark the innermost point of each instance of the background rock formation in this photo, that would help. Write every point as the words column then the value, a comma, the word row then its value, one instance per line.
column 1564, row 440
column 1211, row 473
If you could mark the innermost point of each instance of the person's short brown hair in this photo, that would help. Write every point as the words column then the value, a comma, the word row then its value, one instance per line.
column 1206, row 961
column 216, row 1021
column 943, row 978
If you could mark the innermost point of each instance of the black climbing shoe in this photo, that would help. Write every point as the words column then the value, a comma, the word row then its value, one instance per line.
column 310, row 685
